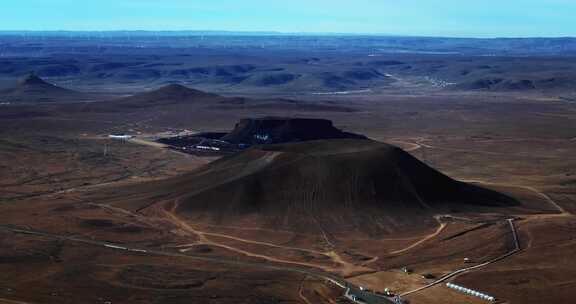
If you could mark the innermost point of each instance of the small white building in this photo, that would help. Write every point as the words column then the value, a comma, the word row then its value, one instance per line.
column 208, row 148
column 120, row 136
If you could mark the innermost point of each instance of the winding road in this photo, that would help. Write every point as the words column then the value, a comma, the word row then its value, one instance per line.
column 467, row 269
column 426, row 238
column 338, row 281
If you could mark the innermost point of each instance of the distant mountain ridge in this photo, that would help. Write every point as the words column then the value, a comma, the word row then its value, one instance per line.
column 186, row 98
column 172, row 93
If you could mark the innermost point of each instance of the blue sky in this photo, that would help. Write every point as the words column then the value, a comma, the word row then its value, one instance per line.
column 471, row 18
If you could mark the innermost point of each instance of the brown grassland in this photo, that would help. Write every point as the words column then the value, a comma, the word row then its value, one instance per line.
column 61, row 176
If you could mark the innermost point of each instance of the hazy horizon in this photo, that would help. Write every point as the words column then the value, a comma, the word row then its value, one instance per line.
column 216, row 32
column 488, row 19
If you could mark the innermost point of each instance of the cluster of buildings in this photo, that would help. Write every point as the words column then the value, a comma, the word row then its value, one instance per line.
column 471, row 292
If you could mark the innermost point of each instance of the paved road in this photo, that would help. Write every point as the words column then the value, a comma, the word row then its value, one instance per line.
column 370, row 298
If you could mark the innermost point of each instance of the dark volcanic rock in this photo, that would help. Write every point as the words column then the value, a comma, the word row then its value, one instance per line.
column 343, row 185
column 272, row 130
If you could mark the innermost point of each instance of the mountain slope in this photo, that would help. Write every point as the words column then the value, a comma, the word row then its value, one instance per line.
column 34, row 89
column 170, row 94
column 343, row 185
column 183, row 98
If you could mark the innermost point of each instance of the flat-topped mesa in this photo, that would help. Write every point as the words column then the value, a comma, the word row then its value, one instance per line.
column 273, row 130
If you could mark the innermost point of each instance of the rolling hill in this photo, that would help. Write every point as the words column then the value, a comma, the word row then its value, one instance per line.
column 166, row 95
column 34, row 89
column 184, row 99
